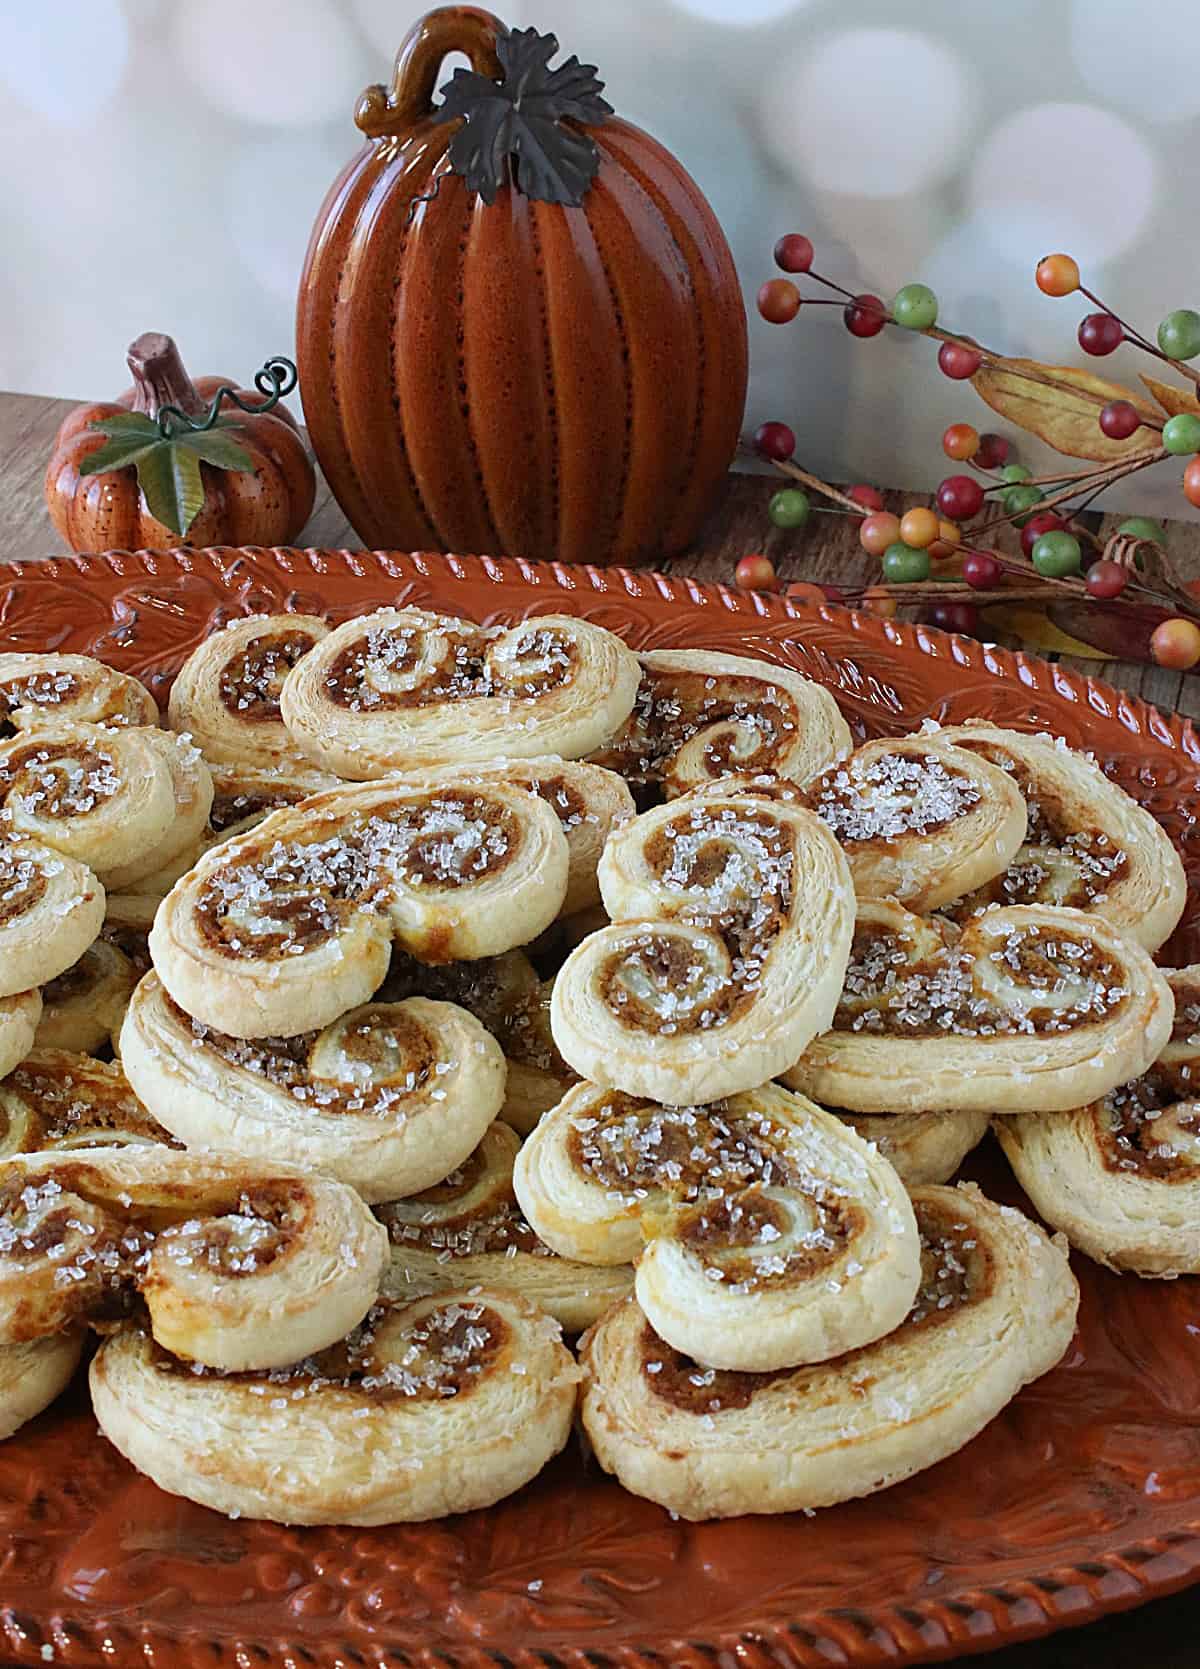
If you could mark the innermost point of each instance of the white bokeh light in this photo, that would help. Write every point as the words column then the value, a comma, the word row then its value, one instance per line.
column 273, row 193
column 61, row 82
column 869, row 113
column 272, row 62
column 1062, row 176
column 1133, row 59
column 742, row 14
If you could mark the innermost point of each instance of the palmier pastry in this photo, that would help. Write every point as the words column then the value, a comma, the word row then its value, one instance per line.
column 775, row 1235
column 1121, row 1177
column 995, row 1310
column 388, row 1098
column 732, row 919
column 1088, row 844
column 283, row 929
column 124, row 802
column 1027, row 1010
column 505, row 994
column 402, row 689
column 469, row 1230
column 83, row 1006
column 51, row 909
column 19, row 1015
column 242, row 791
column 47, row 689
column 920, row 821
column 700, row 716
column 33, row 1374
column 438, row 1406
column 239, row 1266
column 922, row 1147
column 226, row 696
column 128, row 918
column 55, row 1099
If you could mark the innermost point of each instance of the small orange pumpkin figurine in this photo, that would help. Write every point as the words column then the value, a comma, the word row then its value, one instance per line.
column 519, row 327
column 160, row 465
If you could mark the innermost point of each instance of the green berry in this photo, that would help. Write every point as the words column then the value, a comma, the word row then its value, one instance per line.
column 904, row 563
column 1019, row 502
column 1179, row 334
column 1015, row 473
column 1181, row 433
column 1141, row 527
column 915, row 307
column 1056, row 554
column 790, row 508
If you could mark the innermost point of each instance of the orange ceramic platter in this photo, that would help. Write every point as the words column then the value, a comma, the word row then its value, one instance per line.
column 1082, row 1498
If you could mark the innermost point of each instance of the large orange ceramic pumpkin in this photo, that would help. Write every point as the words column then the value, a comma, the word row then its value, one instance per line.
column 519, row 326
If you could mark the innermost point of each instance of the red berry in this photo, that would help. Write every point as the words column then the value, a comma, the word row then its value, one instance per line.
column 1106, row 579
column 1191, row 481
column 775, row 441
column 794, row 252
column 982, row 570
column 800, row 591
column 756, row 573
column 955, row 617
column 778, row 301
column 993, row 452
column 834, row 594
column 1046, row 521
column 1176, row 643
column 1118, row 419
column 960, row 497
column 866, row 315
column 869, row 497
column 1099, row 334
column 957, row 361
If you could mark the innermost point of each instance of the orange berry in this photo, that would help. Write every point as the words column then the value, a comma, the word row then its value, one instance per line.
column 1057, row 275
column 756, row 572
column 919, row 528
column 877, row 531
column 778, row 301
column 948, row 539
column 878, row 600
column 1191, row 481
column 1176, row 643
column 960, row 441
column 800, row 591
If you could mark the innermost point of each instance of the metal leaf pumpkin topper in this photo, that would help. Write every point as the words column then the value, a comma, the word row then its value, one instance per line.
column 512, row 129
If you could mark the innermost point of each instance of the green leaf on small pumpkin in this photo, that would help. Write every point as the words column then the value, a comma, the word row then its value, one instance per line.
column 220, row 450
column 515, row 125
column 1172, row 400
column 1067, row 415
column 127, row 423
column 171, row 483
column 118, row 453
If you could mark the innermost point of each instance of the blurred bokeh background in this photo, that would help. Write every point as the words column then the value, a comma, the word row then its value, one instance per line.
column 161, row 162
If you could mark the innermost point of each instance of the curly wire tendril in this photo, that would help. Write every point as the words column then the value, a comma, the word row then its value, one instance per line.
column 275, row 381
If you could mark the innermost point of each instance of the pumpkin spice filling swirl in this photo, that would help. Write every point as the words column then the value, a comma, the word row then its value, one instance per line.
column 732, row 920
column 282, row 929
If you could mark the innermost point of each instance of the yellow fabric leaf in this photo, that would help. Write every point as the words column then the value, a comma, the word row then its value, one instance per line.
column 1172, row 400
column 1066, row 416
column 1036, row 632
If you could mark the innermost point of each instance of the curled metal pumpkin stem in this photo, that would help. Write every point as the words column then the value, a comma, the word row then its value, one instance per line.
column 274, row 382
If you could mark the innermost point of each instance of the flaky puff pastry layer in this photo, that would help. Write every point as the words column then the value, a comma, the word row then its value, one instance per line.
column 1089, row 845
column 402, row 689
column 920, row 821
column 388, row 1098
column 226, row 696
column 921, row 1147
column 57, row 1099
column 239, row 1265
column 33, row 1374
column 1121, row 1177
column 732, row 919
column 995, row 1310
column 45, row 689
column 700, row 716
column 83, row 1006
column 1027, row 1010
column 765, row 1232
column 122, row 801
column 281, row 930
column 469, row 1229
column 51, row 909
column 439, row 1406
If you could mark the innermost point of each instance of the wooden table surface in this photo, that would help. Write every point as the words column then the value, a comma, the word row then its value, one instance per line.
column 1165, row 1634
